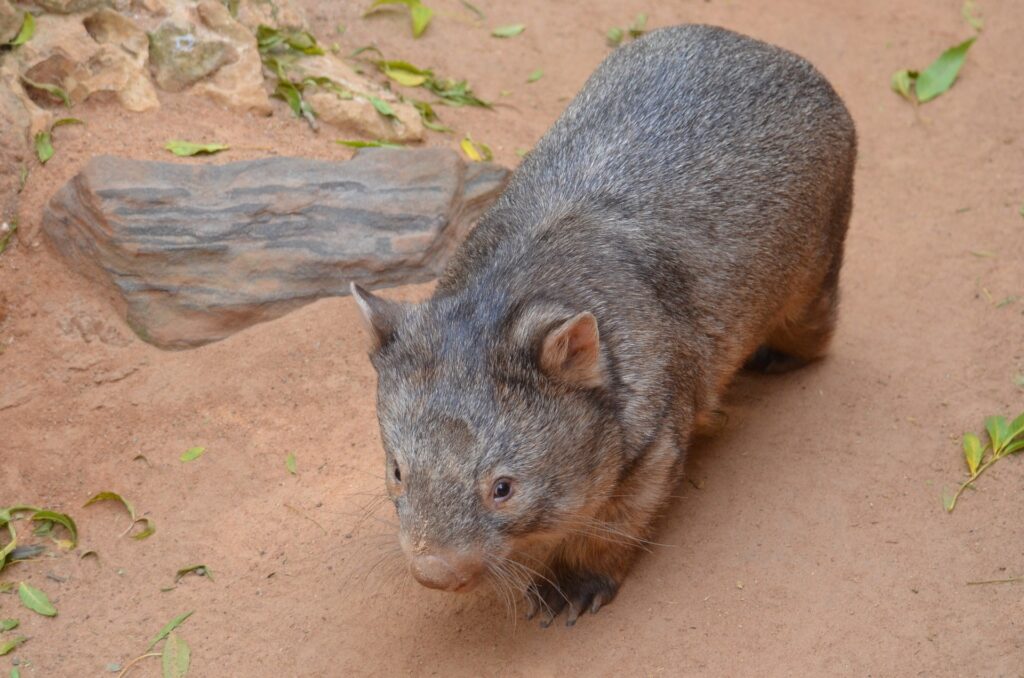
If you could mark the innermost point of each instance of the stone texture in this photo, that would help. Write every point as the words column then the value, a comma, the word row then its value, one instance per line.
column 64, row 53
column 239, row 84
column 193, row 253
column 179, row 57
column 69, row 6
column 275, row 13
column 10, row 21
column 15, row 121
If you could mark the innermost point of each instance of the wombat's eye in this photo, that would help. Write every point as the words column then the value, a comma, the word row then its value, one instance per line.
column 502, row 489
column 398, row 474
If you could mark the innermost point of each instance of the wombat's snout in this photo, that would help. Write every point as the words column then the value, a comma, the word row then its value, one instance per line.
column 448, row 571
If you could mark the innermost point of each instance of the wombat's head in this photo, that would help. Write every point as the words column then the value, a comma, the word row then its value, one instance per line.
column 496, row 426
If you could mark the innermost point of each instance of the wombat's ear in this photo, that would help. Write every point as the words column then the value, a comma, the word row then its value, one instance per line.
column 571, row 352
column 380, row 316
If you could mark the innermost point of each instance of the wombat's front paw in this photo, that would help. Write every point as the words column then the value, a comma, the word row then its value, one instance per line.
column 577, row 591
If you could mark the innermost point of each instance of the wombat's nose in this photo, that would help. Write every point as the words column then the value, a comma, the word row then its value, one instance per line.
column 448, row 572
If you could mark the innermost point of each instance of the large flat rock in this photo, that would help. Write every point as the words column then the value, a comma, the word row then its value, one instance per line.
column 193, row 253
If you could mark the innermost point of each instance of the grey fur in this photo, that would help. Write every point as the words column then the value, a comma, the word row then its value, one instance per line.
column 694, row 197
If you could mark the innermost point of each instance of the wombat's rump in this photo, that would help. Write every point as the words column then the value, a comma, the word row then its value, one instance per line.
column 686, row 214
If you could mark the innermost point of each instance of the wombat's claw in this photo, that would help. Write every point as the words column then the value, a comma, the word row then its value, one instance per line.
column 577, row 594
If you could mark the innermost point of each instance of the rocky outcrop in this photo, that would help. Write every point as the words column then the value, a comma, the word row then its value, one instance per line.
column 193, row 253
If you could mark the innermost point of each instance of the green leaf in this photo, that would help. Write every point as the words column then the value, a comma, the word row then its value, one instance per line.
column 44, row 147
column 1014, row 448
column 168, row 627
column 61, row 519
column 28, row 29
column 614, row 36
column 382, row 107
column 901, row 82
column 36, row 600
column 147, row 531
column 8, row 624
column 290, row 464
column 184, row 149
column 535, row 76
column 7, row 646
column 192, row 453
column 948, row 500
column 454, row 93
column 111, row 496
column 175, row 658
column 358, row 143
column 198, row 570
column 54, row 90
column 404, row 73
column 420, row 16
column 973, row 452
column 639, row 26
column 509, row 31
column 66, row 121
column 942, row 73
column 998, row 430
column 429, row 116
column 1016, row 428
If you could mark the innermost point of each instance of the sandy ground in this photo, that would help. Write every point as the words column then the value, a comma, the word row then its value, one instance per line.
column 816, row 543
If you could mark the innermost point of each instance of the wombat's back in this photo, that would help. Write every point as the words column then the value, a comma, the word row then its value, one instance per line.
column 705, row 147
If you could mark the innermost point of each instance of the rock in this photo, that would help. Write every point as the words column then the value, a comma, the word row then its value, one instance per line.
column 238, row 85
column 64, row 53
column 193, row 253
column 69, row 6
column 19, row 119
column 10, row 21
column 179, row 57
column 356, row 117
column 274, row 13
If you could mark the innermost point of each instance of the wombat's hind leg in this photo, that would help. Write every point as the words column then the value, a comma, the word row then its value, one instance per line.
column 801, row 338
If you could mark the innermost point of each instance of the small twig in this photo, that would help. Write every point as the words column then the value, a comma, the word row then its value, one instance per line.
column 292, row 508
column 135, row 661
column 996, row 581
column 970, row 481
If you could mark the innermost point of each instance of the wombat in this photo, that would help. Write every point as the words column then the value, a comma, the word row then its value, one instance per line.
column 684, row 216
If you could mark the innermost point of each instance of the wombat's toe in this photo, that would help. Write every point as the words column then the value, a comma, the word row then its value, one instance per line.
column 576, row 592
column 769, row 361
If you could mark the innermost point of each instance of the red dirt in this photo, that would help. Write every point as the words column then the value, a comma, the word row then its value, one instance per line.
column 817, row 544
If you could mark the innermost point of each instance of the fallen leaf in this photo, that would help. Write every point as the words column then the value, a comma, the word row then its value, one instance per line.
column 54, row 90
column 639, row 26
column 44, row 146
column 28, row 29
column 509, row 31
column 973, row 452
column 289, row 463
column 114, row 496
column 175, row 659
column 535, row 76
column 61, row 519
column 474, row 9
column 192, row 453
column 170, row 626
column 9, row 645
column 614, row 36
column 382, row 107
column 185, row 149
column 968, row 12
column 901, row 83
column 942, row 73
column 8, row 624
column 359, row 143
column 198, row 570
column 36, row 600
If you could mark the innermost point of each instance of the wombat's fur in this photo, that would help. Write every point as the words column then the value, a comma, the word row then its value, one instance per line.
column 693, row 199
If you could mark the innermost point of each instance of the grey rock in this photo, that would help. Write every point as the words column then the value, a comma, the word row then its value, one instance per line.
column 180, row 57
column 193, row 253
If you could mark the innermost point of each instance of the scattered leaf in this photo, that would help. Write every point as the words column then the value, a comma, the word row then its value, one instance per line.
column 175, row 659
column 1018, row 379
column 66, row 121
column 198, row 570
column 61, row 519
column 192, row 453
column 8, row 624
column 475, row 151
column 942, row 73
column 419, row 14
column 382, row 107
column 36, row 600
column 185, row 149
column 901, row 83
column 28, row 29
column 150, row 527
column 639, row 26
column 147, row 531
column 27, row 552
column 7, row 646
column 429, row 116
column 614, row 36
column 358, row 143
column 44, row 147
column 270, row 39
column 53, row 90
column 404, row 73
column 509, row 31
column 973, row 452
column 535, row 76
column 170, row 626
column 289, row 463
